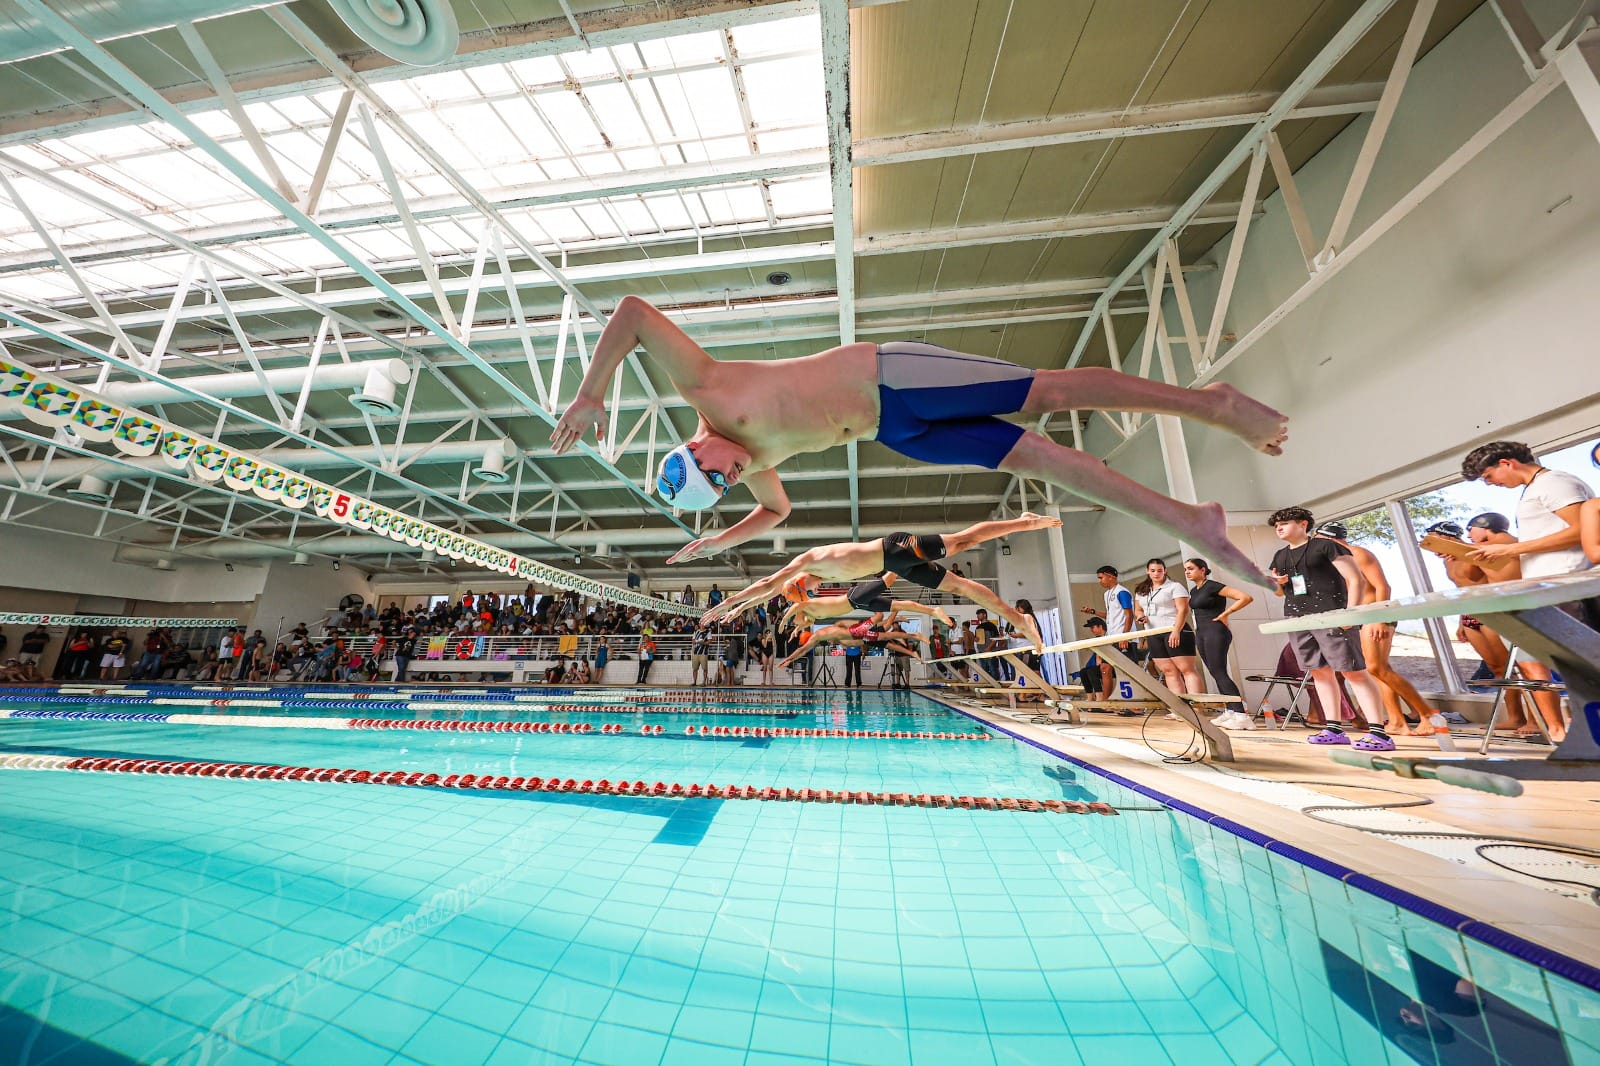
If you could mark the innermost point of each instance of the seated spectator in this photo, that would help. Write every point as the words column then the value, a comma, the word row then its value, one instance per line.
column 175, row 662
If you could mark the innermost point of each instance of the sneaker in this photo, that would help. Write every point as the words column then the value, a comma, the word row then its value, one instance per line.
column 1242, row 721
column 1224, row 720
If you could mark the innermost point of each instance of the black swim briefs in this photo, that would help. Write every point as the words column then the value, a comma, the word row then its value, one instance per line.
column 872, row 596
column 911, row 557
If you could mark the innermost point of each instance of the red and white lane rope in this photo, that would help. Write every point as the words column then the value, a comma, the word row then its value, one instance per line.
column 451, row 725
column 500, row 783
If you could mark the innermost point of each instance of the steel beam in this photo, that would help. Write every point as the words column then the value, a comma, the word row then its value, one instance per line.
column 1185, row 116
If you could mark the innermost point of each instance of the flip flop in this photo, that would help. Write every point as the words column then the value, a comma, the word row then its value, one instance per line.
column 1372, row 742
column 1328, row 736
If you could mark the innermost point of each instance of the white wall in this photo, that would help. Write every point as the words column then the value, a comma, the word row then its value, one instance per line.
column 1463, row 324
column 305, row 593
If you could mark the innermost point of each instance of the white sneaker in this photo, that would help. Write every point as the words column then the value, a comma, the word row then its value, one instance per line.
column 1222, row 720
column 1242, row 721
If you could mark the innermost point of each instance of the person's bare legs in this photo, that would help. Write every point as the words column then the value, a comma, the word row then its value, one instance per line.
column 913, row 607
column 983, row 596
column 1189, row 669
column 1171, row 675
column 1203, row 525
column 1364, row 689
column 1549, row 703
column 1326, row 683
column 1104, row 389
column 1589, row 529
column 1377, row 641
column 1492, row 650
column 974, row 535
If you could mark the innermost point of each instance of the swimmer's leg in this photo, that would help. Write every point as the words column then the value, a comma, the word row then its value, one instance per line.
column 1093, row 388
column 1203, row 525
column 913, row 607
column 984, row 596
column 975, row 535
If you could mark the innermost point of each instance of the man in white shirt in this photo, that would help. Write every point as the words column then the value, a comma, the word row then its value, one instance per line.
column 1119, row 602
column 1547, row 513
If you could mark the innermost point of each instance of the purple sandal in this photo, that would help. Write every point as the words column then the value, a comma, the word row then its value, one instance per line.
column 1373, row 742
column 1328, row 736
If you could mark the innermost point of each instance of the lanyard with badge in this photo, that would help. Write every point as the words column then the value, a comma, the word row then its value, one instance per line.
column 1297, row 579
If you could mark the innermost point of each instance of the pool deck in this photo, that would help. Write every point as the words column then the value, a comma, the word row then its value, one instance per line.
column 1445, row 872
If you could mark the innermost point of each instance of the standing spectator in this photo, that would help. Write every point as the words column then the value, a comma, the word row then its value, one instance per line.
column 113, row 655
column 766, row 650
column 647, row 656
column 1315, row 576
column 75, row 663
column 225, row 654
column 1213, row 604
column 32, row 648
column 688, row 596
column 698, row 674
column 1167, row 604
column 714, row 597
column 1118, row 609
column 404, row 650
column 1377, row 641
column 1548, row 535
column 602, row 654
column 852, row 664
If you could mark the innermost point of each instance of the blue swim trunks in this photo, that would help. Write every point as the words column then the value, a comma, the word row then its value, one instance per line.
column 939, row 406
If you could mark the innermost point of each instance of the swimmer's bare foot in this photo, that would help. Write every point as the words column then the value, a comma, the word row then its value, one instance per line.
column 1258, row 425
column 944, row 616
column 1036, row 521
column 1208, row 530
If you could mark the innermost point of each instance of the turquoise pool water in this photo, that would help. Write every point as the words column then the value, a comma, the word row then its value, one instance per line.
column 191, row 920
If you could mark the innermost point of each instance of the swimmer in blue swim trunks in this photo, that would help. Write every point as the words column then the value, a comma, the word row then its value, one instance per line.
column 925, row 402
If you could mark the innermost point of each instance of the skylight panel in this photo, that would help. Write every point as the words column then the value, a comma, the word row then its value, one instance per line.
column 446, row 85
column 594, row 64
column 694, row 48
column 801, row 196
column 481, row 129
column 40, row 287
column 537, row 70
column 571, row 122
column 793, row 139
column 769, row 88
column 618, row 117
column 635, row 217
column 777, row 36
column 531, row 130
column 598, row 219
column 492, row 80
column 562, row 223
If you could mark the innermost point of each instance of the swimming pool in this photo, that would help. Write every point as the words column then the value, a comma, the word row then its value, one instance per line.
column 202, row 919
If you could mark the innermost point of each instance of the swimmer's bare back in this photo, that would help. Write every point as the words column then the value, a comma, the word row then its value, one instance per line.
column 774, row 409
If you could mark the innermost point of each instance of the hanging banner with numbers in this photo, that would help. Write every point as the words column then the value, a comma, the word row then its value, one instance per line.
column 90, row 419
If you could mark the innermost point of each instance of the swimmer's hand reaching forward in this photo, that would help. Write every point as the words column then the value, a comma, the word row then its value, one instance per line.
column 700, row 548
column 581, row 415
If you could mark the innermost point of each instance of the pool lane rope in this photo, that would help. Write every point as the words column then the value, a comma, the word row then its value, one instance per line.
column 309, row 704
column 435, row 725
column 566, row 786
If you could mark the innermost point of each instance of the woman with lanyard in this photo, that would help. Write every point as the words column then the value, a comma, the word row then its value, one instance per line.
column 1213, row 602
column 1167, row 604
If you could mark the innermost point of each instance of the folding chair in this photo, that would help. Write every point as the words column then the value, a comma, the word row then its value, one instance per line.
column 1295, row 685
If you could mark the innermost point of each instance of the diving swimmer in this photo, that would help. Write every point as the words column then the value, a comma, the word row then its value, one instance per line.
column 923, row 401
column 902, row 554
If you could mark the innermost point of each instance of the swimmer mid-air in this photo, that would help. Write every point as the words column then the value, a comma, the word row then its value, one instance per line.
column 923, row 401
column 901, row 554
column 859, row 635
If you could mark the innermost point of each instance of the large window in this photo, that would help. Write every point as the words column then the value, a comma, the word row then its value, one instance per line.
column 1414, row 654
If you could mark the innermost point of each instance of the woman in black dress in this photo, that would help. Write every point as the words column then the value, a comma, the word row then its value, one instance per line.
column 1212, row 603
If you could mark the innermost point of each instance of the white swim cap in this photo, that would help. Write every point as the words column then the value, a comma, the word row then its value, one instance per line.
column 681, row 482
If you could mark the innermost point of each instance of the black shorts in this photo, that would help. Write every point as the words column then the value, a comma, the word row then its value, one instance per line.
column 1160, row 649
column 911, row 557
column 872, row 596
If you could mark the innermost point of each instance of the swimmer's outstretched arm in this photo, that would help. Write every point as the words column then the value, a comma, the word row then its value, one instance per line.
column 633, row 324
column 761, row 590
column 772, row 507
